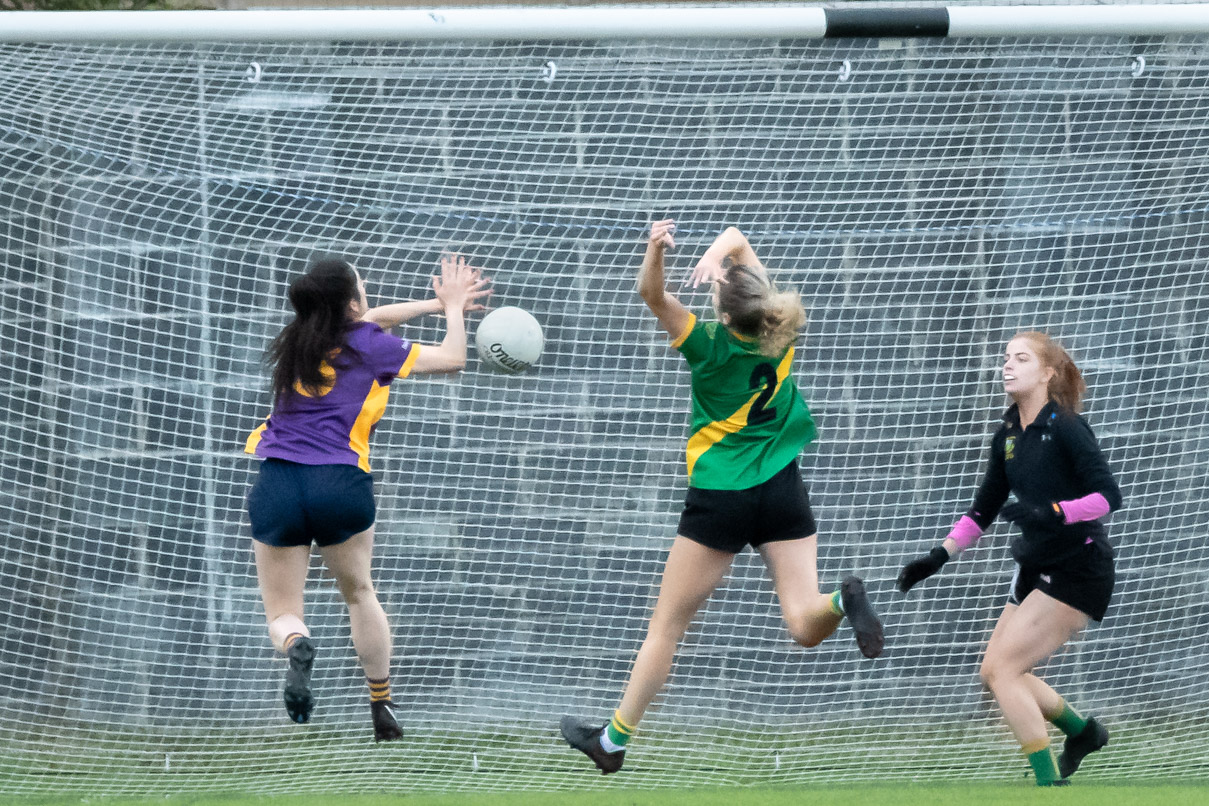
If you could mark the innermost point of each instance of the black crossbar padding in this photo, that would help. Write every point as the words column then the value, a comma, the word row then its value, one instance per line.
column 873, row 22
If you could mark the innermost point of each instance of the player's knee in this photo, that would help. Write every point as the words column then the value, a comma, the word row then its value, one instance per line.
column 673, row 620
column 660, row 635
column 990, row 673
column 357, row 591
column 665, row 631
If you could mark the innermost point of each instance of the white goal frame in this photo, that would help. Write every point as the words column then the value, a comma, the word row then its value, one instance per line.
column 528, row 23
column 775, row 748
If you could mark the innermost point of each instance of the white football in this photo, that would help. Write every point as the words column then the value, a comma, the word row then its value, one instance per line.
column 509, row 340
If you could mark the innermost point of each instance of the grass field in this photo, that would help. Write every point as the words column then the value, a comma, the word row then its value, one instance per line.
column 1021, row 794
column 1160, row 762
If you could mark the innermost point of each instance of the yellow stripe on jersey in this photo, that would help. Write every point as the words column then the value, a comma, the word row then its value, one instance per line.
column 410, row 361
column 371, row 411
column 713, row 433
column 254, row 438
column 692, row 320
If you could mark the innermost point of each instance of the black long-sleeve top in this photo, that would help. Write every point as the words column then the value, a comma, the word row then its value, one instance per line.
column 1055, row 458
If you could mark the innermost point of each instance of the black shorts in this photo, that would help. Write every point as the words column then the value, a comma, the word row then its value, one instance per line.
column 1084, row 583
column 728, row 520
column 293, row 504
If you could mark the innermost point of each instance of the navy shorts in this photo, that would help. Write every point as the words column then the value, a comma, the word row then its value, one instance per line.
column 728, row 520
column 293, row 504
column 1085, row 583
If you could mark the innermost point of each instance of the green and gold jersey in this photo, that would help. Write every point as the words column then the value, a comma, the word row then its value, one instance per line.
column 749, row 421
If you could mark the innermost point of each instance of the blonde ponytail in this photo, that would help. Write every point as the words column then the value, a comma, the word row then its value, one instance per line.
column 756, row 309
column 784, row 316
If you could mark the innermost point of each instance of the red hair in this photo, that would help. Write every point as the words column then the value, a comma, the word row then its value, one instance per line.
column 1067, row 386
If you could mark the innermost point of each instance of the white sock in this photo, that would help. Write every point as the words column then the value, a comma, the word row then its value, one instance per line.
column 608, row 745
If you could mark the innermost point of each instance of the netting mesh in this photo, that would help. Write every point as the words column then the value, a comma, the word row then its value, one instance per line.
column 927, row 197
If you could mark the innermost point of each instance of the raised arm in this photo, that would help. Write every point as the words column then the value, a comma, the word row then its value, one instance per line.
column 731, row 245
column 456, row 289
column 670, row 312
column 396, row 313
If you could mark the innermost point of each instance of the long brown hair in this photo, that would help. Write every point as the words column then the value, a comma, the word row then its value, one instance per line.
column 756, row 309
column 320, row 299
column 1067, row 387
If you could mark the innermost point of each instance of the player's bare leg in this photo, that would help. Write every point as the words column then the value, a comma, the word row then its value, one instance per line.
column 350, row 563
column 691, row 574
column 1024, row 637
column 793, row 567
column 809, row 615
column 281, row 571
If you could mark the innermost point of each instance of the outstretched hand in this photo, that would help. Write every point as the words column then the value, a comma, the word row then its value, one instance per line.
column 921, row 568
column 460, row 285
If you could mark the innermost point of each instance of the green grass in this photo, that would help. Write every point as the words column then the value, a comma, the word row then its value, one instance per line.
column 1021, row 794
column 808, row 765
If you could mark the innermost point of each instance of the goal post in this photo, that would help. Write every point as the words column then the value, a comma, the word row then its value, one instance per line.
column 544, row 23
column 930, row 179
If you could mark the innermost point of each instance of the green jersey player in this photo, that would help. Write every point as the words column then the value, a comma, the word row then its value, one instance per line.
column 749, row 423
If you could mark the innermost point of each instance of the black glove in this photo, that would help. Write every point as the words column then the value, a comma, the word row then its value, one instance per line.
column 921, row 568
column 1046, row 516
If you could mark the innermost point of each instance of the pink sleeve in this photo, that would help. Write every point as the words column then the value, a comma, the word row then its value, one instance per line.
column 965, row 532
column 1087, row 508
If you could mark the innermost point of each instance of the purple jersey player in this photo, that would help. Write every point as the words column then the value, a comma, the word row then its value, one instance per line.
column 333, row 366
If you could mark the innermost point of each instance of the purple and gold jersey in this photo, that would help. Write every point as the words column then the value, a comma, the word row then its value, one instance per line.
column 333, row 428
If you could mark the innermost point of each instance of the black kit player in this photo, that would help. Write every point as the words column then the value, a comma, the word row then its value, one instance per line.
column 1045, row 454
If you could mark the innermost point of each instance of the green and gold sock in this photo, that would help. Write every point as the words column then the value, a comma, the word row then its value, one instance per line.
column 1069, row 721
column 616, row 734
column 1041, row 759
column 837, row 604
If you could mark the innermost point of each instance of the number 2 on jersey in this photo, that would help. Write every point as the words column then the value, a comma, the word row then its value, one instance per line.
column 763, row 375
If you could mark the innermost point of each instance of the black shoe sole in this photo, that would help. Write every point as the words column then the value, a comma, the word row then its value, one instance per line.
column 299, row 701
column 867, row 627
column 385, row 736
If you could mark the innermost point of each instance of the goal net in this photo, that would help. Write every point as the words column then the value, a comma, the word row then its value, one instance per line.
column 928, row 197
